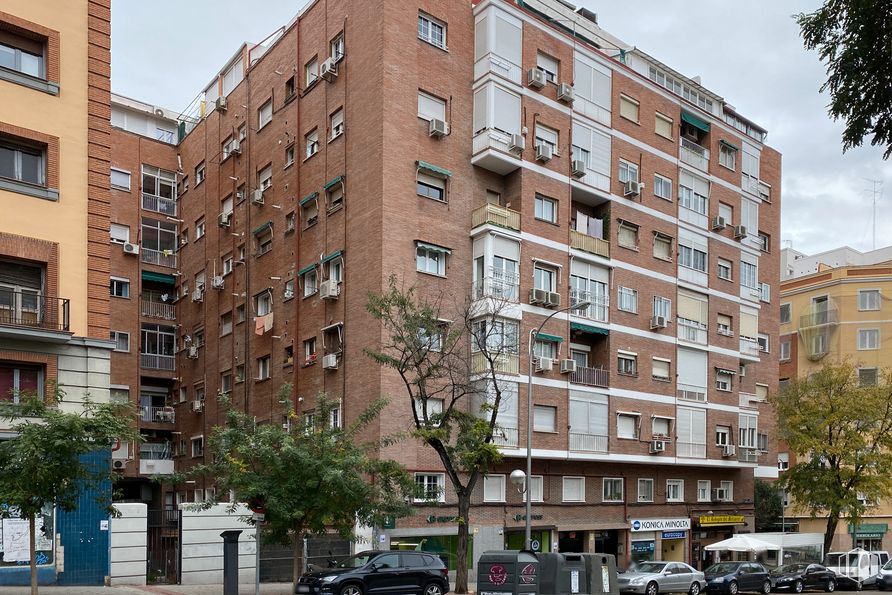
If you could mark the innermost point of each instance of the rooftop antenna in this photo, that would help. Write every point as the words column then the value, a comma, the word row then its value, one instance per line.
column 877, row 192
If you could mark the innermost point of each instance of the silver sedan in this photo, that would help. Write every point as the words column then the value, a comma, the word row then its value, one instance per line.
column 652, row 578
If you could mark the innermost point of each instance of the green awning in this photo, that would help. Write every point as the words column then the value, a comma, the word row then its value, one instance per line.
column 263, row 228
column 442, row 171
column 308, row 198
column 869, row 530
column 695, row 121
column 731, row 146
column 334, row 182
column 552, row 338
column 433, row 247
column 306, row 269
column 159, row 278
column 725, row 371
column 331, row 256
column 578, row 326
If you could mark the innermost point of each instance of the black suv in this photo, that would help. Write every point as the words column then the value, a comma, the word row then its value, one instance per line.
column 397, row 572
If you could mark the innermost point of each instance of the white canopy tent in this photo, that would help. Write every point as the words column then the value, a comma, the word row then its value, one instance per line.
column 742, row 543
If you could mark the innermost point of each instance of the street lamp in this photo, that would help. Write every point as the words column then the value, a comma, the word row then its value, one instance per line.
column 580, row 305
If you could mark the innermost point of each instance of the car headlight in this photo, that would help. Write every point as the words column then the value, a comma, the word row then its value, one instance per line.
column 720, row 579
column 637, row 580
column 330, row 578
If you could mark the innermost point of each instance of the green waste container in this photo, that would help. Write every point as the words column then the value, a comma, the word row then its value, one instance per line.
column 563, row 574
column 601, row 572
column 508, row 572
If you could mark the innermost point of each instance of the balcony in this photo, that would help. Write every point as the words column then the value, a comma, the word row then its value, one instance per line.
column 692, row 332
column 164, row 415
column 690, row 450
column 597, row 377
column 694, row 155
column 159, row 204
column 496, row 215
column 31, row 310
column 590, row 244
column 164, row 258
column 505, row 437
column 153, row 309
column 152, row 361
column 504, row 363
column 747, row 454
column 587, row 442
column 499, row 285
column 749, row 347
column 820, row 317
column 598, row 308
column 155, row 458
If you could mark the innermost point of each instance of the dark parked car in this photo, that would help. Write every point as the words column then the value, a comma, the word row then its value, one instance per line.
column 799, row 577
column 366, row 573
column 736, row 577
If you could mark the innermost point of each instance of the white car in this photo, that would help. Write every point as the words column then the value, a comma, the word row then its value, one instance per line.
column 652, row 578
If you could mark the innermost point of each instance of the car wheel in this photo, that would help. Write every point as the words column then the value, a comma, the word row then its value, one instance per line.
column 732, row 587
column 351, row 590
column 766, row 587
column 797, row 586
column 651, row 589
column 695, row 589
column 433, row 589
column 831, row 586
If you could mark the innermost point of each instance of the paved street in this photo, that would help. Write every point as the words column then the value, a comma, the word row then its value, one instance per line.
column 265, row 588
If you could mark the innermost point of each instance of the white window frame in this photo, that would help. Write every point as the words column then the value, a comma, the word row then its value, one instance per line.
column 431, row 107
column 310, row 282
column 625, row 369
column 122, row 282
column 263, row 367
column 498, row 482
column 264, row 114
column 311, row 72
column 749, row 275
column 336, row 123
column 538, row 411
column 573, row 479
column 311, row 142
column 425, row 256
column 611, row 483
column 628, row 171
column 727, row 157
column 728, row 488
column 540, row 210
column 666, row 120
column 675, row 485
column 549, row 66
column 627, row 299
column 662, row 187
column 865, row 302
column 628, row 106
column 636, row 425
column 545, row 135
column 692, row 258
column 625, row 231
column 439, row 482
column 121, row 173
column 117, row 336
column 432, row 30
column 704, row 490
column 662, row 307
column 196, row 444
column 644, row 497
column 864, row 342
column 785, row 349
column 122, row 236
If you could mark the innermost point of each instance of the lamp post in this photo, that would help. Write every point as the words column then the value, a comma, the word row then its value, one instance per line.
column 580, row 305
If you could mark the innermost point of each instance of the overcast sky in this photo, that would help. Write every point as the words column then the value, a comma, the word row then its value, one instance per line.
column 165, row 51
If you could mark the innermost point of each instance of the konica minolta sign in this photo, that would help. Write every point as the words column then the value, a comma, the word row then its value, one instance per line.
column 679, row 524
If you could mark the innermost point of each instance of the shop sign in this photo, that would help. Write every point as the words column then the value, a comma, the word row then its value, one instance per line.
column 721, row 519
column 869, row 530
column 441, row 519
column 643, row 547
column 672, row 535
column 523, row 517
column 680, row 524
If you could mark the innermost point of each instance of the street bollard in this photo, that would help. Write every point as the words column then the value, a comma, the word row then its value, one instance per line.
column 230, row 562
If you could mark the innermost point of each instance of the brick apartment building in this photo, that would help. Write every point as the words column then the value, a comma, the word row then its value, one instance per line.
column 508, row 148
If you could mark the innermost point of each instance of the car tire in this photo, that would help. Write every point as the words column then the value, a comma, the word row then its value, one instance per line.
column 351, row 589
column 651, row 589
column 733, row 588
column 797, row 587
column 766, row 587
column 433, row 589
column 881, row 585
column 695, row 589
column 831, row 586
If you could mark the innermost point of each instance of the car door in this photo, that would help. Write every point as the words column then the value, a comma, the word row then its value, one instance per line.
column 679, row 578
column 758, row 575
column 813, row 576
column 413, row 571
column 383, row 575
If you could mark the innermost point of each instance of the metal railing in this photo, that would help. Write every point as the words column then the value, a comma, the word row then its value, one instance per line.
column 162, row 310
column 498, row 284
column 159, row 204
column 819, row 317
column 693, row 154
column 587, row 442
column 691, row 331
column 30, row 309
column 506, row 363
column 155, row 451
column 590, row 244
column 152, row 361
column 749, row 347
column 591, row 376
column 164, row 258
column 157, row 414
column 501, row 216
column 690, row 449
column 598, row 308
column 505, row 436
column 747, row 454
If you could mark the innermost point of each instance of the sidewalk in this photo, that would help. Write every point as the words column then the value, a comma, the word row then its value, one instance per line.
column 265, row 588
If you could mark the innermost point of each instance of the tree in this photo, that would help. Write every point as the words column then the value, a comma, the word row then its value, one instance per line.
column 312, row 477
column 841, row 433
column 44, row 464
column 457, row 364
column 768, row 504
column 854, row 39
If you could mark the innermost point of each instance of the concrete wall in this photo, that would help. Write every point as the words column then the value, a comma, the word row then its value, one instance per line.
column 128, row 545
column 202, row 546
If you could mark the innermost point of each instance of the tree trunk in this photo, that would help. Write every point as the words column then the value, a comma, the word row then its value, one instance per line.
column 830, row 531
column 461, row 553
column 298, row 561
column 32, row 549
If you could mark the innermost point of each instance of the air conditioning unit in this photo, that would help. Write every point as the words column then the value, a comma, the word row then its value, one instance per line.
column 568, row 366
column 197, row 405
column 119, row 464
column 217, row 282
column 719, row 494
column 544, row 152
column 183, row 241
column 543, row 364
column 517, row 143
column 197, row 296
column 438, row 128
column 577, row 168
column 657, row 446
column 729, row 450
column 658, row 322
column 553, row 300
column 131, row 248
column 224, row 219
column 739, row 232
column 538, row 296
column 566, row 93
column 329, row 290
column 235, row 148
column 220, row 103
column 193, row 352
column 330, row 361
column 718, row 223
column 631, row 188
column 257, row 196
column 239, row 195
column 535, row 78
column 329, row 70
column 287, row 294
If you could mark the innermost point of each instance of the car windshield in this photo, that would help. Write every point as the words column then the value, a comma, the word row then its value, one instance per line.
column 356, row 561
column 650, row 567
column 887, row 565
column 723, row 568
column 791, row 568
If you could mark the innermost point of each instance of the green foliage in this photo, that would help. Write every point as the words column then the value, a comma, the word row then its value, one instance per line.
column 854, row 39
column 769, row 505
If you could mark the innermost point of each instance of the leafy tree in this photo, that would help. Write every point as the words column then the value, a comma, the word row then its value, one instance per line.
column 311, row 479
column 841, row 433
column 854, row 39
column 43, row 465
column 768, row 504
column 436, row 364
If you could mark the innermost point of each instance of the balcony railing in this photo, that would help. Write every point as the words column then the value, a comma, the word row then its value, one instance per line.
column 587, row 442
column 693, row 154
column 598, row 308
column 164, row 258
column 749, row 347
column 499, row 285
column 692, row 332
column 161, row 310
column 152, row 361
column 747, row 454
column 505, row 436
column 164, row 415
column 501, row 216
column 155, row 451
column 819, row 318
column 30, row 309
column 598, row 377
column 505, row 363
column 590, row 244
column 159, row 204
column 690, row 449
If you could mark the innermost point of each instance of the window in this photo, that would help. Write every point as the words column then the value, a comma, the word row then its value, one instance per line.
column 431, row 487
column 265, row 114
column 627, row 425
column 311, row 72
column 645, row 490
column 785, row 349
column 336, row 269
column 119, row 287
column 691, row 258
column 336, row 47
column 493, row 488
column 535, row 493
column 627, row 300
column 724, row 269
column 703, row 490
column 627, row 235
column 310, row 282
column 289, row 88
column 748, row 275
column 240, row 313
column 763, row 343
column 430, row 107
column 311, row 141
column 612, row 489
column 288, row 290
column 263, row 241
column 660, row 368
column 868, row 299
column 289, row 155
column 310, row 351
column 548, row 137
column 548, row 65
column 22, row 54
column 544, row 278
column 627, row 364
column 662, row 187
column 121, row 339
column 783, row 461
column 785, row 313
column 200, row 228
column 263, row 368
column 226, row 323
column 545, row 209
column 674, row 490
column 573, row 489
column 430, row 259
column 434, row 408
column 764, row 242
column 867, row 376
column 628, row 108
column 199, row 173
column 545, row 349
column 627, row 171
column 309, row 210
column 693, row 193
column 726, row 212
column 662, row 307
column 544, row 418
column 227, row 263
column 722, row 380
column 22, row 162
column 431, row 30
column 336, row 123
column 868, row 338
column 727, row 490
column 747, row 431
column 725, row 325
column 263, row 303
column 198, row 446
column 119, row 233
column 727, row 155
column 495, row 335
column 334, row 194
column 431, row 187
column 663, row 126
column 120, row 179
column 242, row 132
column 762, row 442
column 662, row 247
column 722, row 435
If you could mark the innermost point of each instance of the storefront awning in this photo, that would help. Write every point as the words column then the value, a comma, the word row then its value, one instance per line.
column 695, row 121
column 547, row 337
column 578, row 326
column 159, row 278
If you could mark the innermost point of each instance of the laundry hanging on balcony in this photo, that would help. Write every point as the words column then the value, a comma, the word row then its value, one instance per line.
column 263, row 324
